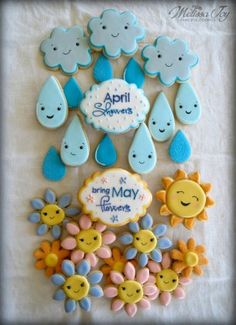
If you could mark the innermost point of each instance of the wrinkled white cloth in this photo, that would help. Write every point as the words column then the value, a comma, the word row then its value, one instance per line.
column 26, row 292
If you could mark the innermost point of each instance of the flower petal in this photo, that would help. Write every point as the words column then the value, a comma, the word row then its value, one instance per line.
column 165, row 298
column 178, row 266
column 110, row 292
column 72, row 211
column 42, row 229
column 68, row 267
column 56, row 246
column 134, row 227
column 154, row 267
column 160, row 230
column 117, row 305
column 143, row 259
column 164, row 243
column 156, row 255
column 129, row 271
column 83, row 267
column 191, row 244
column 77, row 255
column 144, row 303
column 166, row 260
column 69, row 243
column 116, row 253
column 70, row 305
column 57, row 279
column 197, row 269
column 49, row 196
column 34, row 217
column 91, row 257
column 146, row 221
column 116, row 277
column 131, row 253
column 179, row 293
column 100, row 226
column 203, row 260
column 95, row 277
column 155, row 295
column 40, row 265
column 56, row 231
column 104, row 252
column 187, row 271
column 96, row 291
column 142, row 275
column 49, row 271
column 185, row 281
column 200, row 249
column 182, row 246
column 108, row 237
column 126, row 239
column 85, row 222
column 72, row 228
column 176, row 255
column 59, row 295
column 85, row 304
column 38, row 253
column 106, row 269
column 65, row 200
column 37, row 204
column 45, row 246
column 149, row 289
column 131, row 309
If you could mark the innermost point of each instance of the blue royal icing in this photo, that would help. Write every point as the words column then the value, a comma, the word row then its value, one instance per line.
column 180, row 148
column 73, row 93
column 53, row 168
column 105, row 154
column 133, row 73
column 102, row 70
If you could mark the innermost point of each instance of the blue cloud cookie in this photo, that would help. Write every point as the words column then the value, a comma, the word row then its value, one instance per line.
column 115, row 33
column 66, row 49
column 170, row 60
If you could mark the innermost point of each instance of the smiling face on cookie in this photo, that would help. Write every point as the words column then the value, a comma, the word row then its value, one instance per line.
column 130, row 291
column 51, row 107
column 145, row 241
column 52, row 214
column 115, row 32
column 89, row 240
column 167, row 280
column 76, row 287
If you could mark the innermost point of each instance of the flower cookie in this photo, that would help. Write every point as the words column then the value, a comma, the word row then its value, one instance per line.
column 49, row 256
column 88, row 240
column 167, row 280
column 130, row 290
column 76, row 285
column 115, row 33
column 188, row 258
column 185, row 199
column 146, row 242
column 50, row 213
column 170, row 60
column 66, row 49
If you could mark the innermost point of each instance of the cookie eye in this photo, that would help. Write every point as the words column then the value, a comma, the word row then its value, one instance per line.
column 82, row 284
column 123, row 288
column 42, row 108
column 55, row 48
column 134, row 156
column 153, row 122
column 82, row 239
column 159, row 56
column 77, row 44
column 45, row 214
column 180, row 59
column 104, row 27
column 152, row 239
column 168, row 123
column 161, row 276
column 81, row 147
column 174, row 280
column 66, row 146
column 95, row 238
column 180, row 106
column 149, row 156
column 195, row 105
column 68, row 287
column 58, row 108
column 58, row 211
column 179, row 192
column 126, row 27
column 138, row 290
column 196, row 197
column 137, row 238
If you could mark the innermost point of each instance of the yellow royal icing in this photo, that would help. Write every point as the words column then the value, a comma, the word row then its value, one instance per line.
column 76, row 287
column 51, row 260
column 130, row 291
column 89, row 240
column 167, row 280
column 145, row 241
column 52, row 214
column 191, row 259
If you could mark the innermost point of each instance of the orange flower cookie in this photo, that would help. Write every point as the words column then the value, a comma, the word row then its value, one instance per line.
column 50, row 256
column 184, row 198
column 188, row 258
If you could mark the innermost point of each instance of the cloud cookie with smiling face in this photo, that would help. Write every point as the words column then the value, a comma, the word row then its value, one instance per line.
column 115, row 33
column 66, row 49
column 170, row 60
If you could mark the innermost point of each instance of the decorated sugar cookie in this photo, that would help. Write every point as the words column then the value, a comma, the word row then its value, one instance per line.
column 184, row 198
column 145, row 241
column 170, row 60
column 105, row 153
column 114, row 106
column 73, row 93
column 76, row 285
column 66, row 49
column 142, row 153
column 75, row 145
column 88, row 240
column 49, row 256
column 115, row 197
column 53, row 168
column 50, row 213
column 115, row 33
column 130, row 290
column 51, row 106
column 180, row 148
column 161, row 122
column 187, row 104
column 168, row 282
column 189, row 257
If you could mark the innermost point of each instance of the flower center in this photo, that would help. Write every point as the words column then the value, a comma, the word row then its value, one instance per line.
column 51, row 260
column 130, row 291
column 89, row 240
column 52, row 214
column 76, row 287
column 191, row 258
column 118, row 266
column 145, row 241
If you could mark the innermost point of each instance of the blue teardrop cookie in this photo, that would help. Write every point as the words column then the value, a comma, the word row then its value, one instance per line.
column 105, row 154
column 133, row 73
column 73, row 93
column 53, row 168
column 180, row 148
column 102, row 70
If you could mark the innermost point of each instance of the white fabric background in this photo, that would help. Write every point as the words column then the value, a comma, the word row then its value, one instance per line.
column 27, row 293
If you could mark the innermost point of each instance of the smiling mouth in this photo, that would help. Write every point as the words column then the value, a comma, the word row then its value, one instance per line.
column 166, row 282
column 73, row 154
column 141, row 162
column 50, row 116
column 184, row 204
column 162, row 130
column 115, row 35
column 188, row 112
column 66, row 53
column 51, row 217
column 168, row 65
column 76, row 291
column 143, row 244
column 129, row 295
column 89, row 243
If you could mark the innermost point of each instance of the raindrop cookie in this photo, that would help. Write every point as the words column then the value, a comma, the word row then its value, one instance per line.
column 73, row 93
column 66, row 49
column 115, row 33
column 105, row 154
column 180, row 148
column 114, row 106
column 53, row 167
column 184, row 198
column 76, row 285
column 115, row 197
column 133, row 73
column 51, row 106
column 170, row 60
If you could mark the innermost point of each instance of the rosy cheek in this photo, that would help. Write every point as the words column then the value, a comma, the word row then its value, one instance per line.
column 174, row 197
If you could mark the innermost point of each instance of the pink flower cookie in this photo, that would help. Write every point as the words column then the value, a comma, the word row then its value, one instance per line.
column 130, row 289
column 167, row 281
column 88, row 240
